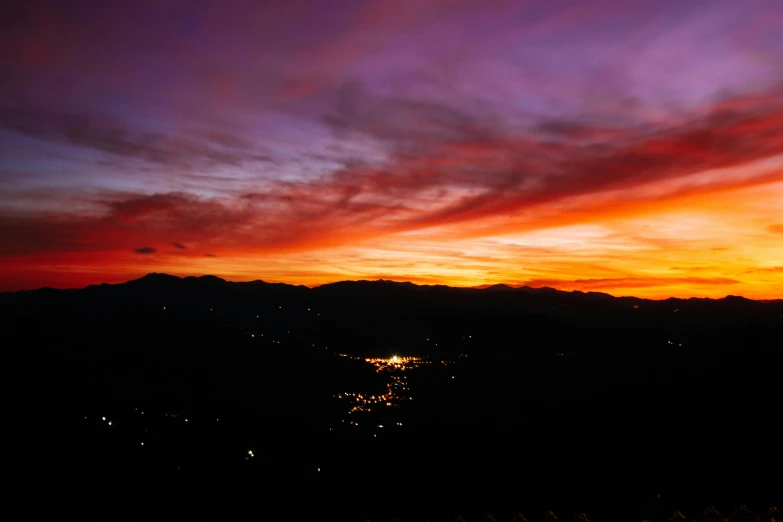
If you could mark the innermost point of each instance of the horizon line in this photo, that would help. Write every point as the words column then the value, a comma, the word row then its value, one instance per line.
column 398, row 281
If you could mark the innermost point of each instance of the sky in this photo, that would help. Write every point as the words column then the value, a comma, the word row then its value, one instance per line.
column 627, row 147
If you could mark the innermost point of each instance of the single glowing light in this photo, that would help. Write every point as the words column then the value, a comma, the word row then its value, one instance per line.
column 109, row 423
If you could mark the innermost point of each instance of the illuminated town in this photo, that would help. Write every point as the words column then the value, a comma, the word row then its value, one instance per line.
column 397, row 389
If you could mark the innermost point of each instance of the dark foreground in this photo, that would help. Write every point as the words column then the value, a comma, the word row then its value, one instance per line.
column 622, row 409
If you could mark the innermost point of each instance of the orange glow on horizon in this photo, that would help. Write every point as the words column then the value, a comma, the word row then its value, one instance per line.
column 695, row 245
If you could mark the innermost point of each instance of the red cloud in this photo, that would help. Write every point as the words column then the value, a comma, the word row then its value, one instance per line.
column 456, row 180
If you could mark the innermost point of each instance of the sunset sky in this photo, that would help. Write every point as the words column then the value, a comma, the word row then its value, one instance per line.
column 629, row 147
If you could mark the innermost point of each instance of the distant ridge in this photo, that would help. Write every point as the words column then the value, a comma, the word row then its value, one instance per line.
column 167, row 280
column 497, row 288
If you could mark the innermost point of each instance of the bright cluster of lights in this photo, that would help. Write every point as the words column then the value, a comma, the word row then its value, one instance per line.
column 396, row 387
column 395, row 362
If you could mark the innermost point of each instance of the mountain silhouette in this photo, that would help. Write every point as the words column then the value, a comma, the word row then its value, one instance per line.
column 529, row 397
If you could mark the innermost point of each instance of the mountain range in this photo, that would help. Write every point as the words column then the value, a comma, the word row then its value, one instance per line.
column 531, row 399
